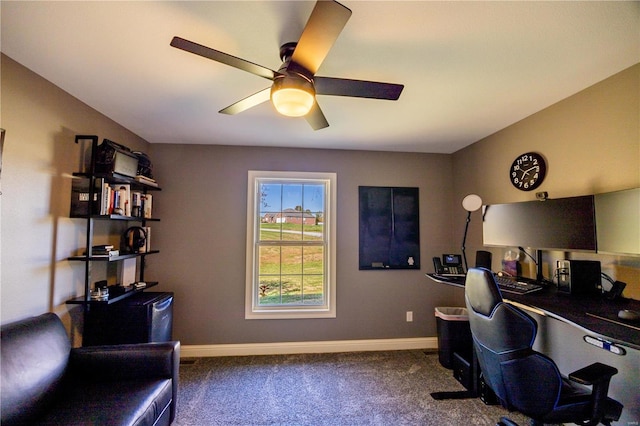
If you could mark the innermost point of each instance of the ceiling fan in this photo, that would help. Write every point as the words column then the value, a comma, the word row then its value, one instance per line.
column 295, row 85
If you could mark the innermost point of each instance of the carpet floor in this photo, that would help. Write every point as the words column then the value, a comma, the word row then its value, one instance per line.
column 355, row 388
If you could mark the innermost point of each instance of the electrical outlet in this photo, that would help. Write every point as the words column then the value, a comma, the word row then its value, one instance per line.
column 409, row 316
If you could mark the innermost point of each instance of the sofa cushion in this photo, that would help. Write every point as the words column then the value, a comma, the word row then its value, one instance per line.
column 136, row 403
column 34, row 357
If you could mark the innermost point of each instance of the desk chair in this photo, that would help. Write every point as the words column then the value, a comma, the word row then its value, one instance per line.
column 525, row 380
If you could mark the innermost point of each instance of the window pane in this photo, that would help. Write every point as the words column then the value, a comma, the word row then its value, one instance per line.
column 269, row 261
column 292, row 226
column 313, row 260
column 311, row 231
column 292, row 196
column 292, row 289
column 270, row 197
column 269, row 231
column 291, row 261
column 313, row 197
column 269, row 290
column 312, row 290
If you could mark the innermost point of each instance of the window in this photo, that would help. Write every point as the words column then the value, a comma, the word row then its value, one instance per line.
column 291, row 245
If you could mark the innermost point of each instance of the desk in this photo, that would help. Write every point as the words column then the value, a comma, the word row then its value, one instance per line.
column 584, row 312
column 563, row 322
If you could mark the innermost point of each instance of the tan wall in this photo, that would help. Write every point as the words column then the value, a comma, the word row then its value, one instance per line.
column 41, row 121
column 591, row 142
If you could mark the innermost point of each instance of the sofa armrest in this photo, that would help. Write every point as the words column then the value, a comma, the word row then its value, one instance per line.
column 138, row 361
column 126, row 362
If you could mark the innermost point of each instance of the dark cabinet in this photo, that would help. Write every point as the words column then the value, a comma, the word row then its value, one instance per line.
column 143, row 317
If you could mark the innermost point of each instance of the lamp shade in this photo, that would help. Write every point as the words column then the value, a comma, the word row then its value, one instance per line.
column 292, row 96
column 472, row 202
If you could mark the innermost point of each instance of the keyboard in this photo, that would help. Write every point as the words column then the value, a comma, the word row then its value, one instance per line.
column 517, row 285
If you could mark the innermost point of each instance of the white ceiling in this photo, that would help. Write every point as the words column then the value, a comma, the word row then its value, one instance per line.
column 469, row 68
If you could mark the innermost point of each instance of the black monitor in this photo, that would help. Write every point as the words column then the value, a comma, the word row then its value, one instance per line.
column 554, row 224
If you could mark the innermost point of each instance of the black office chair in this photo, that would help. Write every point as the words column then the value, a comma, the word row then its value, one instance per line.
column 525, row 380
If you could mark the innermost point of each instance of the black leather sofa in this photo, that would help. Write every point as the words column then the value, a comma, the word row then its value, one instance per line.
column 46, row 382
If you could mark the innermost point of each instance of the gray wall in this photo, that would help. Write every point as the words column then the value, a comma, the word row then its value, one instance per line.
column 202, row 235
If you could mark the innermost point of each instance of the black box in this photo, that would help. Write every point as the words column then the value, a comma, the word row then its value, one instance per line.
column 80, row 197
column 579, row 277
column 115, row 158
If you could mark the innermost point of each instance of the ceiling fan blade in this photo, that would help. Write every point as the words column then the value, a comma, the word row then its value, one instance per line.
column 248, row 102
column 316, row 118
column 357, row 88
column 224, row 58
column 325, row 24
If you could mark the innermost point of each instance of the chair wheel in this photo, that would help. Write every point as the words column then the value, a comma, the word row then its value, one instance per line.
column 505, row 421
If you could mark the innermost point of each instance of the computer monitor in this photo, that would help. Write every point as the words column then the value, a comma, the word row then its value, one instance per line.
column 554, row 224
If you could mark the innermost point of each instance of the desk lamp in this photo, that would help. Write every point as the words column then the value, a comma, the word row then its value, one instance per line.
column 471, row 203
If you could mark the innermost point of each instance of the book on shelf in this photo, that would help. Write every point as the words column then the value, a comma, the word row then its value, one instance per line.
column 136, row 203
column 108, row 199
column 147, row 205
column 103, row 251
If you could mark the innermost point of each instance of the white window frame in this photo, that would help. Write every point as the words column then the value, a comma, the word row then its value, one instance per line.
column 328, row 309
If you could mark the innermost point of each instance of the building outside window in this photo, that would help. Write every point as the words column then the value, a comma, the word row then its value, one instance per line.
column 291, row 245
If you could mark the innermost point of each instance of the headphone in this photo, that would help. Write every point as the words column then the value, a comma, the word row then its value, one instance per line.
column 134, row 239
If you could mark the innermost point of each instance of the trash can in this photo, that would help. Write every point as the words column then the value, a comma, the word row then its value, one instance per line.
column 454, row 334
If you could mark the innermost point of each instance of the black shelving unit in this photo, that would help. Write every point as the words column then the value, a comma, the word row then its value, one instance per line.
column 115, row 294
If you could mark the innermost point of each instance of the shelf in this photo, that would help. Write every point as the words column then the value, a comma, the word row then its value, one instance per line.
column 83, row 258
column 112, row 299
column 118, row 178
column 116, row 217
column 91, row 194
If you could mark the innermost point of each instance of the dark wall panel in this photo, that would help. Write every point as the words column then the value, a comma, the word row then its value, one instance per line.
column 389, row 228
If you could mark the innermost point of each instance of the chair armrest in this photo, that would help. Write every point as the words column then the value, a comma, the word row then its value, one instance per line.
column 598, row 375
column 593, row 374
column 126, row 362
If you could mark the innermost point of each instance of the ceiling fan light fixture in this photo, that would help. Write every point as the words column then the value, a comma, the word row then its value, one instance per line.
column 293, row 97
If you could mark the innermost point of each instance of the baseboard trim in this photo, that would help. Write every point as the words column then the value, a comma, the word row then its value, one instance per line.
column 283, row 348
